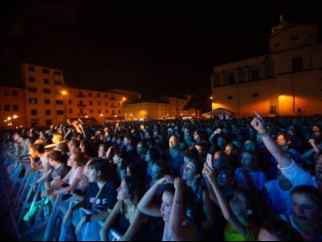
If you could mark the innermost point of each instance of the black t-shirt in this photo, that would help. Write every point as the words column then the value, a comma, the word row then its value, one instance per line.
column 59, row 173
column 106, row 199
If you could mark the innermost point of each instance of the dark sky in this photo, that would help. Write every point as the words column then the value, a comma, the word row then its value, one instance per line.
column 155, row 47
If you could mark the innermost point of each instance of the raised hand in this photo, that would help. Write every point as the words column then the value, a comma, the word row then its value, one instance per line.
column 178, row 184
column 165, row 180
column 258, row 122
column 209, row 173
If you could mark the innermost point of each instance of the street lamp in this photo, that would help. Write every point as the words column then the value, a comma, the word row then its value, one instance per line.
column 65, row 93
column 14, row 118
column 101, row 118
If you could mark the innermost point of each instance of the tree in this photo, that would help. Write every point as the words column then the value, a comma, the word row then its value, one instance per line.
column 199, row 101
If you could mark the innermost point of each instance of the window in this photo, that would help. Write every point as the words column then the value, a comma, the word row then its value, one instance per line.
column 6, row 93
column 59, row 102
column 60, row 112
column 59, row 83
column 14, row 93
column 105, row 95
column 33, row 100
column 255, row 94
column 89, row 94
column 90, row 103
column 47, row 101
column 31, row 68
column 98, row 103
column 91, row 111
column 31, row 79
column 32, row 89
column 48, row 122
column 57, row 73
column 231, row 79
column 230, row 97
column 106, row 111
column 46, row 81
column 98, row 95
column 48, row 112
column 272, row 110
column 33, row 112
column 45, row 71
column 297, row 64
column 47, row 90
column 70, row 101
column 255, row 75
column 119, row 111
column 98, row 111
column 70, row 110
column 6, row 107
column 294, row 37
column 277, row 44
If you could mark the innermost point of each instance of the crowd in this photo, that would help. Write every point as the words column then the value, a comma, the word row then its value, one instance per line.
column 233, row 179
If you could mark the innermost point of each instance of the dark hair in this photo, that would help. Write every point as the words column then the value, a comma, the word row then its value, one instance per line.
column 79, row 158
column 63, row 147
column 281, row 229
column 135, row 169
column 164, row 167
column 99, row 164
column 255, row 162
column 311, row 192
column 144, row 146
column 192, row 153
column 125, row 158
column 55, row 155
column 136, row 191
column 154, row 154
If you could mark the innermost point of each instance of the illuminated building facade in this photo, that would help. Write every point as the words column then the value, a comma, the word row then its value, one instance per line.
column 287, row 81
column 44, row 99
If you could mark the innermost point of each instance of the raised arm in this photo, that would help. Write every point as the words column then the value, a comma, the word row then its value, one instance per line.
column 276, row 151
column 109, row 221
column 223, row 203
column 145, row 205
column 178, row 230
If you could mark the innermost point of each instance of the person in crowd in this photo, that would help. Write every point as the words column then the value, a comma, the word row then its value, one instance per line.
column 172, row 210
column 151, row 157
column 120, row 160
column 202, row 212
column 141, row 150
column 307, row 206
column 290, row 169
column 101, row 151
column 275, row 229
column 63, row 147
column 219, row 159
column 130, row 147
column 232, row 155
column 237, row 212
column 174, row 156
column 125, row 217
column 277, row 195
column 248, row 176
column 38, row 151
column 74, row 178
column 202, row 149
column 188, row 139
column 189, row 154
column 100, row 196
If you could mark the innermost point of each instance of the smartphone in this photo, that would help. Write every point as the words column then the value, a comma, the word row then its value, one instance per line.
column 209, row 160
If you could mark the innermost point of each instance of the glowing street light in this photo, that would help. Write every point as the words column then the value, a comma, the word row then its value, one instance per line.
column 101, row 118
column 14, row 118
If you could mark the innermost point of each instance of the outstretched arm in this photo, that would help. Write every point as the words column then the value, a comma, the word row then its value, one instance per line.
column 276, row 151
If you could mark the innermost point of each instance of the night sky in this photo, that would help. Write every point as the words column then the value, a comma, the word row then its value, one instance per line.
column 154, row 47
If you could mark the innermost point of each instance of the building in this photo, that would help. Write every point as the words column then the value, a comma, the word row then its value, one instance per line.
column 177, row 106
column 287, row 81
column 12, row 111
column 147, row 110
column 44, row 99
